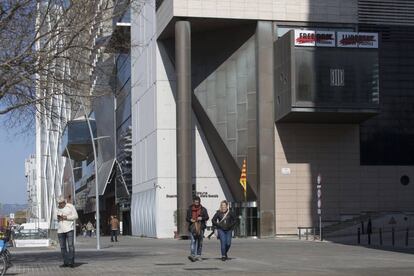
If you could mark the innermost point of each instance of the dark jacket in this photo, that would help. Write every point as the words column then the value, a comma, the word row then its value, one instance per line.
column 227, row 224
column 204, row 216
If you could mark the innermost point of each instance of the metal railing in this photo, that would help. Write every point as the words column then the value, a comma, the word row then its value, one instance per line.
column 385, row 236
column 309, row 232
column 31, row 234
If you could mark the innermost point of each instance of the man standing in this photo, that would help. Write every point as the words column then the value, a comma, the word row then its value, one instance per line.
column 114, row 223
column 197, row 216
column 66, row 216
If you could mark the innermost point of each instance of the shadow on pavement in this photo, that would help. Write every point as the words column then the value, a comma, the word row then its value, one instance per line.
column 48, row 257
column 79, row 264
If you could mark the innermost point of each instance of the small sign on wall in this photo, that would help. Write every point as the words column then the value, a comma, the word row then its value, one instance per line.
column 285, row 171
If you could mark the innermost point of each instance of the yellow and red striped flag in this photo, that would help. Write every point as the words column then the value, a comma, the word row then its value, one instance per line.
column 243, row 178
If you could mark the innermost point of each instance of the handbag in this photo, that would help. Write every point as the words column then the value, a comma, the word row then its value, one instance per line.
column 195, row 228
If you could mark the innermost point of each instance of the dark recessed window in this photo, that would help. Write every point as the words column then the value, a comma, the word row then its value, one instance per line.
column 404, row 180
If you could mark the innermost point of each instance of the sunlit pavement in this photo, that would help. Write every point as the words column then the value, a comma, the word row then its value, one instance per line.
column 142, row 256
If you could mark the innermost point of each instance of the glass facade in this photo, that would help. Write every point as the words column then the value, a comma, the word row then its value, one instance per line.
column 123, row 127
column 388, row 139
column 76, row 139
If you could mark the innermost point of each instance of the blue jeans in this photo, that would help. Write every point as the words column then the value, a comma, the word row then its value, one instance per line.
column 68, row 251
column 196, row 244
column 225, row 240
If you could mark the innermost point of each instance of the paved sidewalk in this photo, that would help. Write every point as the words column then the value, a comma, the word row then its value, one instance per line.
column 142, row 256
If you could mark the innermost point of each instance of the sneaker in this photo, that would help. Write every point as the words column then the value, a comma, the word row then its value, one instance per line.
column 223, row 258
column 71, row 265
column 198, row 258
column 192, row 258
column 64, row 265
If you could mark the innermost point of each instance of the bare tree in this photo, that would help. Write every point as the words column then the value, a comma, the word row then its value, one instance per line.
column 53, row 51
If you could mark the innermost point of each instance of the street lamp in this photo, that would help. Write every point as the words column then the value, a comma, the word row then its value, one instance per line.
column 73, row 188
column 93, row 139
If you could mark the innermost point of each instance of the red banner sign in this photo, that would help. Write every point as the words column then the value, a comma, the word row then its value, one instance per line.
column 357, row 40
column 310, row 38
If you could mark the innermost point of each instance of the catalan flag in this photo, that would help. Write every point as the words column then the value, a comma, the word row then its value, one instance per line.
column 243, row 178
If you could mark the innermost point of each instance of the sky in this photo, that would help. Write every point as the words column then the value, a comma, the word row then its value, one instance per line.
column 14, row 149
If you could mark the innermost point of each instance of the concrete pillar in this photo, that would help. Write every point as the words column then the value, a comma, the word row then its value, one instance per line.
column 265, row 129
column 184, row 153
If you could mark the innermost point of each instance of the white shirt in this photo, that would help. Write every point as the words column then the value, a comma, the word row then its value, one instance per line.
column 69, row 211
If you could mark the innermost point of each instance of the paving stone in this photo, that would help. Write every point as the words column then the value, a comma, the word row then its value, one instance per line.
column 143, row 256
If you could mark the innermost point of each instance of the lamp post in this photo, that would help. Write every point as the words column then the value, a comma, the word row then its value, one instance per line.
column 93, row 139
column 98, row 217
column 72, row 169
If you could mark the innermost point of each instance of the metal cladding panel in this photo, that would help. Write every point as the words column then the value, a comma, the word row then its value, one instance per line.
column 334, row 77
column 283, row 75
column 77, row 140
column 225, row 105
column 143, row 213
column 389, row 12
column 312, row 80
column 105, row 123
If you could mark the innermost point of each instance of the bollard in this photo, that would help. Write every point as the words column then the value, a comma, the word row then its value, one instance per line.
column 380, row 236
column 406, row 237
column 300, row 233
column 359, row 235
column 369, row 238
column 321, row 234
column 393, row 236
column 307, row 233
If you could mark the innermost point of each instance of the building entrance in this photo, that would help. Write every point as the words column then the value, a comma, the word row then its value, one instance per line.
column 247, row 218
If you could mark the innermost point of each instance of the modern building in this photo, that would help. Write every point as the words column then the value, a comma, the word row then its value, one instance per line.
column 64, row 158
column 296, row 88
column 110, row 127
column 307, row 92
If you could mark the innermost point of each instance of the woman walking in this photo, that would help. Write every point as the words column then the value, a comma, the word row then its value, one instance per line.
column 224, row 221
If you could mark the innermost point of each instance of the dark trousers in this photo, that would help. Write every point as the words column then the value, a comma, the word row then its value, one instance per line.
column 67, row 247
column 114, row 233
column 225, row 240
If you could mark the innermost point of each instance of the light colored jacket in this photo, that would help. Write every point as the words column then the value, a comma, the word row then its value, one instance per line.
column 114, row 224
column 89, row 226
column 67, row 225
